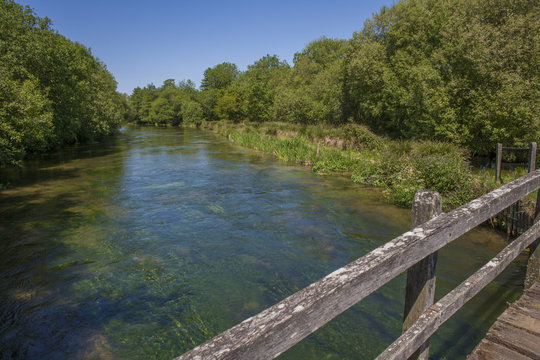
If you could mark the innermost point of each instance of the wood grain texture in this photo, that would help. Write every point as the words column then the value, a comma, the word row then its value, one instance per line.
column 420, row 287
column 515, row 149
column 515, row 339
column 533, row 266
column 520, row 319
column 516, row 334
column 492, row 351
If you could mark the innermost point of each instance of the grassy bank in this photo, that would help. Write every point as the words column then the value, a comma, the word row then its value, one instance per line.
column 399, row 167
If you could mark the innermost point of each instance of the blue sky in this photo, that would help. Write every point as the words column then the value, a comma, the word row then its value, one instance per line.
column 144, row 42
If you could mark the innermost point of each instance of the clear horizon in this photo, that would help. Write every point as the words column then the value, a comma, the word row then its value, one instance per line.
column 142, row 44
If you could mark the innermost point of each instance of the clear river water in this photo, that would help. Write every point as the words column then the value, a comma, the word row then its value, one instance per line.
column 159, row 239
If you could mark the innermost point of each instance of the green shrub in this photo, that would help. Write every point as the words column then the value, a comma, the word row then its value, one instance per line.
column 401, row 147
column 443, row 173
column 391, row 166
column 363, row 137
column 402, row 189
column 437, row 148
column 367, row 171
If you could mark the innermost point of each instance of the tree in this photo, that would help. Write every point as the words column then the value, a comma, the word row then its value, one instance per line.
column 192, row 113
column 141, row 102
column 25, row 118
column 317, row 56
column 261, row 80
column 313, row 93
column 54, row 92
column 465, row 72
column 231, row 104
column 220, row 76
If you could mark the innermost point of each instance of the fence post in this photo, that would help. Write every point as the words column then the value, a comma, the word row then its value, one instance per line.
column 498, row 164
column 532, row 156
column 533, row 265
column 420, row 290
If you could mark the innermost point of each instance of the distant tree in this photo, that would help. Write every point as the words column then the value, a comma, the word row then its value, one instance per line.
column 208, row 100
column 261, row 80
column 231, row 104
column 313, row 93
column 220, row 76
column 167, row 105
column 187, row 86
column 161, row 111
column 192, row 113
column 141, row 101
column 168, row 84
column 317, row 56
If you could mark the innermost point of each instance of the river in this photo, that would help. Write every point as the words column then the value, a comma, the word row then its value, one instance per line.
column 159, row 239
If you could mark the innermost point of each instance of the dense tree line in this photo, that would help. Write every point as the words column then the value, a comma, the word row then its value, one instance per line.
column 169, row 104
column 463, row 71
column 52, row 90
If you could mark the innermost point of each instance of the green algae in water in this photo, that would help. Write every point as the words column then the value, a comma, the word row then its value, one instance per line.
column 164, row 238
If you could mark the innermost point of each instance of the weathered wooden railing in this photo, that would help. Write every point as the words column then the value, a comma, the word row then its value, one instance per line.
column 276, row 329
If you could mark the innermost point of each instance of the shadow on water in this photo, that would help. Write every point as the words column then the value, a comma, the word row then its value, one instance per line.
column 59, row 164
column 61, row 240
column 29, row 251
column 51, row 195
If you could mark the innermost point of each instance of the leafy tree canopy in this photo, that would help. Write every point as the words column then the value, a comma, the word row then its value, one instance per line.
column 219, row 76
column 53, row 91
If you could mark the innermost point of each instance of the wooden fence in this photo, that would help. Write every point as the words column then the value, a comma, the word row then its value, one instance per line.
column 514, row 219
column 531, row 163
column 276, row 329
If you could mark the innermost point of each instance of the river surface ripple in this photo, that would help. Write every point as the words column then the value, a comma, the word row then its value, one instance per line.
column 150, row 244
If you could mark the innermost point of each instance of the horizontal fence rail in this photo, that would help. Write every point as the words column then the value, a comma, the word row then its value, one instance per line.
column 276, row 329
column 518, row 150
column 438, row 313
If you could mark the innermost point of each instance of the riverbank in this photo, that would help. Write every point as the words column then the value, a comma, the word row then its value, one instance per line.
column 399, row 167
